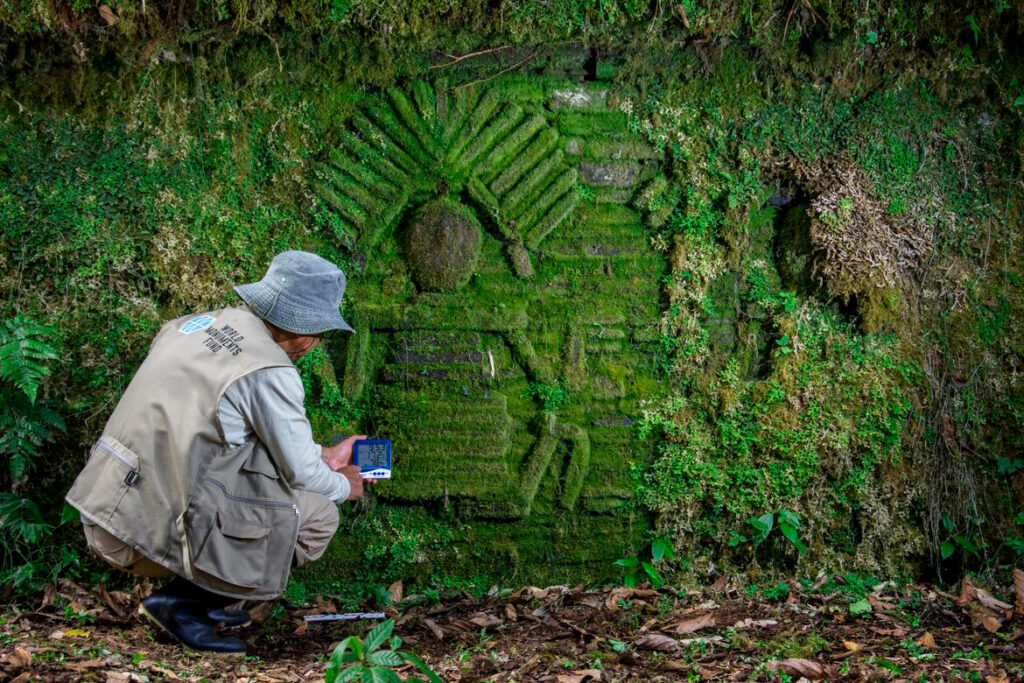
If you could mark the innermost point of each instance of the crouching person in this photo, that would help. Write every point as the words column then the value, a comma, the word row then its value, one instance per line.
column 207, row 471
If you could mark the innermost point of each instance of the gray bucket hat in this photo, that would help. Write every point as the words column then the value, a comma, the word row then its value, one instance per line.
column 301, row 293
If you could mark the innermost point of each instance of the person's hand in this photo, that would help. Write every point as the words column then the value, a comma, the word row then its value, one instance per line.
column 355, row 481
column 339, row 456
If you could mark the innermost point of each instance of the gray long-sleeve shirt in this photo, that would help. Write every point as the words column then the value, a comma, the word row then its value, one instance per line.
column 268, row 404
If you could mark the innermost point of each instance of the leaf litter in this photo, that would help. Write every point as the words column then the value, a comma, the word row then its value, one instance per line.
column 560, row 634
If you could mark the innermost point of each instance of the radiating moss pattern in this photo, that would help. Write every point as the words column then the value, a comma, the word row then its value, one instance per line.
column 565, row 296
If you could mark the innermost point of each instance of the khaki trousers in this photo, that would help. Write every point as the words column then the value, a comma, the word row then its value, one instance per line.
column 318, row 520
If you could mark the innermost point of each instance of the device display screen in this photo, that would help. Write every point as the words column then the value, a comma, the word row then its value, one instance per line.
column 372, row 455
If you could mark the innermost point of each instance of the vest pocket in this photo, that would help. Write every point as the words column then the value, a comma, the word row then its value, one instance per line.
column 245, row 544
column 235, row 551
column 111, row 470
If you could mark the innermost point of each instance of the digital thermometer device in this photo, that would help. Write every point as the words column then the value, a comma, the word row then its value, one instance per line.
column 373, row 456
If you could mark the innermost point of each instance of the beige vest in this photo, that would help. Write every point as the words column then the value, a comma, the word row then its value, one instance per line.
column 162, row 479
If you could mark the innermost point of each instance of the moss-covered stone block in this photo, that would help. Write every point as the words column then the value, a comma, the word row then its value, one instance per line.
column 444, row 245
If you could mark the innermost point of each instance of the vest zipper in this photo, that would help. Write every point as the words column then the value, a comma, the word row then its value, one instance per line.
column 255, row 501
column 116, row 455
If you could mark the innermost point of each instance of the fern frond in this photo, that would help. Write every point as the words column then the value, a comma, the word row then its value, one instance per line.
column 24, row 428
column 23, row 518
column 23, row 352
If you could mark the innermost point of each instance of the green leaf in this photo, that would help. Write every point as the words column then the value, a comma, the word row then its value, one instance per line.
column 790, row 518
column 22, row 353
column 947, row 522
column 790, row 532
column 763, row 525
column 69, row 514
column 946, row 549
column 735, row 539
column 965, row 544
column 379, row 674
column 395, row 642
column 379, row 635
column 350, row 674
column 385, row 658
column 628, row 562
column 617, row 645
column 659, row 549
column 629, row 580
column 22, row 517
column 860, row 607
column 652, row 574
column 348, row 650
column 424, row 669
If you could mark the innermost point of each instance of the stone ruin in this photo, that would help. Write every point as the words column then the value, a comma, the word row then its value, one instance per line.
column 502, row 251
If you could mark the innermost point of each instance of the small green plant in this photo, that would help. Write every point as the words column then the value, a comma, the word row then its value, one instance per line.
column 788, row 523
column 26, row 424
column 368, row 662
column 634, row 568
column 552, row 396
column 955, row 540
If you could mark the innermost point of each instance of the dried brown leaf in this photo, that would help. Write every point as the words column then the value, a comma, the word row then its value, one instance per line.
column 484, row 620
column 658, row 642
column 301, row 626
column 991, row 624
column 108, row 15
column 260, row 611
column 1018, row 587
column 927, row 640
column 510, row 612
column 21, row 656
column 880, row 605
column 695, row 624
column 800, row 667
column 82, row 667
column 434, row 628
column 990, row 601
column 720, row 584
column 754, row 623
column 580, row 676
column 395, row 590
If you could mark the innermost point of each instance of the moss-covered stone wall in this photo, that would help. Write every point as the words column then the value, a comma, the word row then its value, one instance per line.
column 603, row 294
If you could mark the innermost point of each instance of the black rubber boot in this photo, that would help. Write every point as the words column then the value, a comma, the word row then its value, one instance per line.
column 229, row 616
column 180, row 609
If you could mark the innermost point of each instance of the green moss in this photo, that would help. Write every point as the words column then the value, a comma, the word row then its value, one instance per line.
column 444, row 245
column 664, row 297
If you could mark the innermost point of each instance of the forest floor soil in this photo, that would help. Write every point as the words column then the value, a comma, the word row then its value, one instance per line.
column 559, row 633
